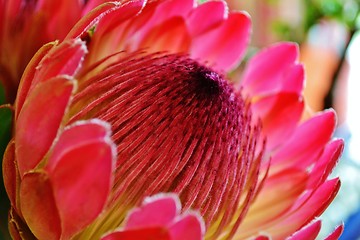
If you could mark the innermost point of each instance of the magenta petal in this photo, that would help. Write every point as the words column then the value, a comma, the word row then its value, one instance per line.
column 110, row 34
column 50, row 98
column 304, row 145
column 275, row 63
column 28, row 76
column 224, row 46
column 60, row 16
column 158, row 210
column 78, row 134
column 171, row 33
column 335, row 235
column 92, row 18
column 82, row 178
column 294, row 79
column 326, row 163
column 308, row 232
column 65, row 59
column 168, row 9
column 312, row 204
column 93, row 4
column 157, row 233
column 309, row 206
column 262, row 237
column 196, row 23
column 158, row 218
column 282, row 110
column 189, row 226
column 38, row 206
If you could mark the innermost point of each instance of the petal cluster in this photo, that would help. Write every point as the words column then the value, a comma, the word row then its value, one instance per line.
column 300, row 152
column 135, row 100
column 26, row 25
column 147, row 222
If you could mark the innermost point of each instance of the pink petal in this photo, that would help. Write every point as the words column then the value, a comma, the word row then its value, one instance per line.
column 195, row 20
column 311, row 205
column 294, row 79
column 110, row 34
column 326, row 163
column 82, row 177
column 119, row 15
column 274, row 69
column 61, row 15
column 169, row 9
column 262, row 237
column 304, row 145
column 224, row 46
column 65, row 59
column 156, row 233
column 274, row 200
column 308, row 232
column 170, row 35
column 35, row 133
column 190, row 226
column 90, row 19
column 159, row 210
column 38, row 206
column 280, row 115
column 158, row 218
column 77, row 135
column 28, row 76
column 92, row 4
column 335, row 235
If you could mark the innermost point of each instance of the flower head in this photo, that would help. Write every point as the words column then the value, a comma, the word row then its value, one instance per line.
column 136, row 101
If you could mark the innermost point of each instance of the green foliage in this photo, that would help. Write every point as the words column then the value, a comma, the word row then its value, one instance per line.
column 2, row 94
column 5, row 127
column 6, row 115
column 345, row 11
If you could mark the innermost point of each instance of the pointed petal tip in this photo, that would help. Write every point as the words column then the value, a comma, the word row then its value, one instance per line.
column 335, row 235
column 164, row 196
column 94, row 121
column 289, row 48
column 197, row 216
column 308, row 232
column 188, row 226
column 161, row 212
column 155, row 211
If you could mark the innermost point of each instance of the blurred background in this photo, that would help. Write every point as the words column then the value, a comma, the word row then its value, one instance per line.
column 327, row 32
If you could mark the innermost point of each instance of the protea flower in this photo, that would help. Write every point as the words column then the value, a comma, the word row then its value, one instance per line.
column 26, row 25
column 136, row 101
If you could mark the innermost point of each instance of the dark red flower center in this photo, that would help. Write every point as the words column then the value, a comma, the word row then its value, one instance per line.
column 179, row 127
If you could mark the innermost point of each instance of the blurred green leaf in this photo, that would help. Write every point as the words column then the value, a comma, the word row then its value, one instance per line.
column 6, row 115
column 5, row 127
column 2, row 94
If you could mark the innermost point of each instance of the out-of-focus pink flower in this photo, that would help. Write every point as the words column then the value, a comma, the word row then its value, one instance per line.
column 155, row 73
column 26, row 25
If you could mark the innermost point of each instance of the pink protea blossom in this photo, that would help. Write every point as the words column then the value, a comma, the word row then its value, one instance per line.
column 135, row 101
